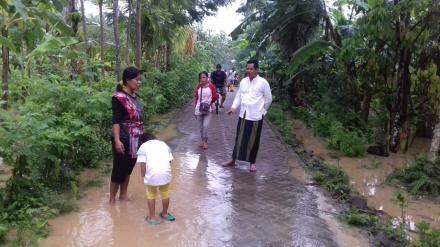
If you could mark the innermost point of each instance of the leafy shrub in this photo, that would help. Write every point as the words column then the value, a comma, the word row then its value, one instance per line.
column 277, row 117
column 356, row 218
column 304, row 114
column 422, row 177
column 352, row 144
column 323, row 125
column 428, row 237
column 334, row 180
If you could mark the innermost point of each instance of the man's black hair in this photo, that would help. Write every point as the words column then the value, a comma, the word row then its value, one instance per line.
column 254, row 62
column 219, row 66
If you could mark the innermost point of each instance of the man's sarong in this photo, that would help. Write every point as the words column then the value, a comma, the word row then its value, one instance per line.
column 247, row 140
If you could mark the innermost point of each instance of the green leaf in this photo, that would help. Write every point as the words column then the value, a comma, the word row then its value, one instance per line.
column 4, row 4
column 51, row 43
column 6, row 42
column 306, row 52
column 58, row 5
column 55, row 20
column 21, row 9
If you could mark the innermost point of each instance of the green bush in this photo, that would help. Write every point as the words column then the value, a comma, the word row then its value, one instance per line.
column 422, row 177
column 352, row 144
column 324, row 124
column 356, row 218
column 334, row 180
column 277, row 117
column 428, row 237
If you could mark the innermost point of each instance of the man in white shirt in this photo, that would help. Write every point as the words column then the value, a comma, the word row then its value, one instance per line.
column 254, row 98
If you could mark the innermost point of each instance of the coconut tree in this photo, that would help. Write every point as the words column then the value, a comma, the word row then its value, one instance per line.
column 117, row 39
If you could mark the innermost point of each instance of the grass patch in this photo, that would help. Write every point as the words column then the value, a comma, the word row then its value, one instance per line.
column 422, row 177
column 278, row 118
column 334, row 180
column 356, row 218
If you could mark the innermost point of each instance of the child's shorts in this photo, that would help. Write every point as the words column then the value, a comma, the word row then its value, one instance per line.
column 164, row 191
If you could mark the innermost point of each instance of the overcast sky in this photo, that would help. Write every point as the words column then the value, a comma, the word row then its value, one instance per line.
column 226, row 19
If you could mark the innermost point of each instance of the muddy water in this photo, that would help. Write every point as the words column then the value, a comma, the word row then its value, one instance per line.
column 370, row 181
column 214, row 206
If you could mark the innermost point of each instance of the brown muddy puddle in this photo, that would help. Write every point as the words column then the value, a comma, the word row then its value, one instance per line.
column 369, row 180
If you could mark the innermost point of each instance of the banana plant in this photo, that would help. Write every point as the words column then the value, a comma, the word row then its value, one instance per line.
column 23, row 25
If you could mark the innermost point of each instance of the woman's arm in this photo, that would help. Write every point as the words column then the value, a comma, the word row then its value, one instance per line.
column 119, row 146
column 117, row 115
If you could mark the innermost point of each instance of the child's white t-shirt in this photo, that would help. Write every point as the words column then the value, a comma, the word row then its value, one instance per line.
column 157, row 155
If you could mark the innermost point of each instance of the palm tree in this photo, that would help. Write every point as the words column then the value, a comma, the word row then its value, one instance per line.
column 101, row 36
column 117, row 40
column 84, row 26
column 138, row 28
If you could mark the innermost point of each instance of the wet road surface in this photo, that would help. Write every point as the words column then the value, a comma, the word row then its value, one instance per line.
column 214, row 206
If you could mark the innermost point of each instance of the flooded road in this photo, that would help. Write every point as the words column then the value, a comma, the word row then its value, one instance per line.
column 213, row 206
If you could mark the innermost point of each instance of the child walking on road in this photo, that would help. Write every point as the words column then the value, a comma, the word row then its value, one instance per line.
column 154, row 157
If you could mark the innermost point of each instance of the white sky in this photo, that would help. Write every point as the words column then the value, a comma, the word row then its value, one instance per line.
column 226, row 20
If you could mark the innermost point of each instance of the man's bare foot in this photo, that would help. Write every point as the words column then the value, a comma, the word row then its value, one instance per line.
column 229, row 163
column 112, row 201
column 252, row 168
column 221, row 106
column 205, row 145
column 201, row 144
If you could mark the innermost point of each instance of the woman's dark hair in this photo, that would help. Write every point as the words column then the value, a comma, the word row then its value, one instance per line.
column 128, row 74
column 146, row 137
column 203, row 73
column 254, row 62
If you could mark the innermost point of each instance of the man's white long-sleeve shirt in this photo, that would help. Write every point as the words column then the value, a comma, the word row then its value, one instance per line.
column 253, row 97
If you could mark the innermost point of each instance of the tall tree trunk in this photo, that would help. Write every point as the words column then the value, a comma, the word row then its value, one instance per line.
column 400, row 130
column 84, row 25
column 435, row 143
column 117, row 41
column 366, row 103
column 101, row 34
column 138, row 27
column 74, row 23
column 168, row 56
column 5, row 71
column 129, row 25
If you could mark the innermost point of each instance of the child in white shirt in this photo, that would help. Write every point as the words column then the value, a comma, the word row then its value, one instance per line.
column 154, row 157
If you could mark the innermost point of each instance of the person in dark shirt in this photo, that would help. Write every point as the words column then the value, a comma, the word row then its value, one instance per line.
column 218, row 77
column 127, row 111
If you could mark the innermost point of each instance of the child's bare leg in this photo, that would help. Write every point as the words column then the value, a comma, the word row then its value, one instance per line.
column 165, row 205
column 124, row 187
column 114, row 187
column 152, row 209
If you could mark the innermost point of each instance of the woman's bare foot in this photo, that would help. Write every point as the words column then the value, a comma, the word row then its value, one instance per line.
column 124, row 198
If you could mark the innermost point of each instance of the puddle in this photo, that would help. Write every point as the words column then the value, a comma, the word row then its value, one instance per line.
column 343, row 234
column 368, row 175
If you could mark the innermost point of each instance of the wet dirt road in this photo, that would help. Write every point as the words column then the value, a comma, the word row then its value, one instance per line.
column 214, row 206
